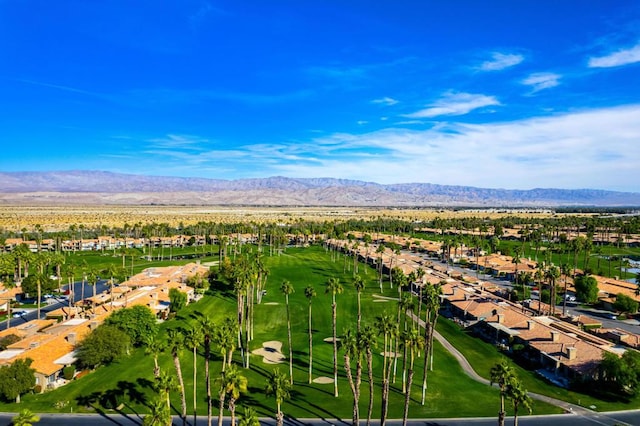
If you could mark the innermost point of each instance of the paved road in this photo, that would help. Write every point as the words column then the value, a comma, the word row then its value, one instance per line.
column 45, row 307
column 624, row 418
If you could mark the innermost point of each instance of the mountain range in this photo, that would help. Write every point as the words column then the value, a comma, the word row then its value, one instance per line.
column 99, row 187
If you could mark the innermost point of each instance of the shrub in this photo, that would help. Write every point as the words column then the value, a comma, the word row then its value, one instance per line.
column 68, row 372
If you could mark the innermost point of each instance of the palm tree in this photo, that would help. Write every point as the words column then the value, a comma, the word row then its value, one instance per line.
column 349, row 343
column 159, row 416
column 176, row 343
column 225, row 338
column 92, row 279
column 193, row 339
column 207, row 329
column 368, row 341
column 413, row 343
column 165, row 384
column 334, row 287
column 380, row 252
column 232, row 383
column 279, row 387
column 501, row 374
column 519, row 397
column 359, row 285
column 432, row 306
column 153, row 347
column 249, row 417
column 552, row 274
column 286, row 288
column 25, row 418
column 310, row 293
column 387, row 326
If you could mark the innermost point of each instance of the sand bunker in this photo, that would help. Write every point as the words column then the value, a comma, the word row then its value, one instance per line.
column 270, row 352
column 271, row 303
column 330, row 339
column 323, row 380
column 385, row 298
column 391, row 354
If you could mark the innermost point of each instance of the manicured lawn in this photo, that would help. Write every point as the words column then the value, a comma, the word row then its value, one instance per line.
column 450, row 392
column 482, row 356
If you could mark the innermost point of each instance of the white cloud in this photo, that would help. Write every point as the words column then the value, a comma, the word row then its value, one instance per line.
column 362, row 122
column 455, row 104
column 591, row 149
column 385, row 101
column 501, row 61
column 617, row 58
column 542, row 80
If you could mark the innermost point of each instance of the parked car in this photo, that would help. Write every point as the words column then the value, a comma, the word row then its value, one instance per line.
column 18, row 314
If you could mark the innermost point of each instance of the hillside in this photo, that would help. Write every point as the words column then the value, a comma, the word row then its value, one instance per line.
column 97, row 187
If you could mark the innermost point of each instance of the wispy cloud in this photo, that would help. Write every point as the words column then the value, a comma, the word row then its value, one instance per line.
column 501, row 61
column 616, row 59
column 385, row 101
column 542, row 80
column 172, row 141
column 455, row 104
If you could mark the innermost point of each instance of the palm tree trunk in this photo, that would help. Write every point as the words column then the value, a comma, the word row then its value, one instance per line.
column 335, row 350
column 207, row 378
column 279, row 416
column 407, row 397
column 501, row 414
column 195, row 381
column 183, row 402
column 221, row 413
column 310, row 347
column 370, row 374
column 232, row 409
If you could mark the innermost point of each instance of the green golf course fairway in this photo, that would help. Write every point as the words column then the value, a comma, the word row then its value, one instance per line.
column 450, row 392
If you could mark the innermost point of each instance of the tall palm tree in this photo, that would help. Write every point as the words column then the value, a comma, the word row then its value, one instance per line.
column 310, row 293
column 432, row 306
column 25, row 418
column 552, row 274
column 193, row 338
column 176, row 343
column 207, row 329
column 519, row 397
column 334, row 287
column 413, row 343
column 501, row 374
column 359, row 285
column 286, row 288
column 279, row 387
column 380, row 251
column 349, row 343
column 232, row 383
column 368, row 341
column 387, row 326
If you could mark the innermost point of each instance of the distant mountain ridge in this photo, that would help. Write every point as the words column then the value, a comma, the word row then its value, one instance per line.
column 99, row 187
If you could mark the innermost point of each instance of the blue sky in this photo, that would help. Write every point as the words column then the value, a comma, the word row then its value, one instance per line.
column 503, row 94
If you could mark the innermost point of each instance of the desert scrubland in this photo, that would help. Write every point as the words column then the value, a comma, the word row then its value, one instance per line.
column 57, row 218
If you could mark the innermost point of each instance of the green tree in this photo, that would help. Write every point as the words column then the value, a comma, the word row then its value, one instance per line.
column 310, row 293
column 177, row 300
column 159, row 415
column 102, row 346
column 625, row 304
column 359, row 285
column 138, row 322
column 249, row 417
column 278, row 386
column 413, row 343
column 519, row 398
column 176, row 344
column 16, row 378
column 165, row 384
column 232, row 383
column 286, row 288
column 501, row 374
column 193, row 338
column 25, row 418
column 586, row 288
column 334, row 287
column 207, row 329
column 620, row 374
